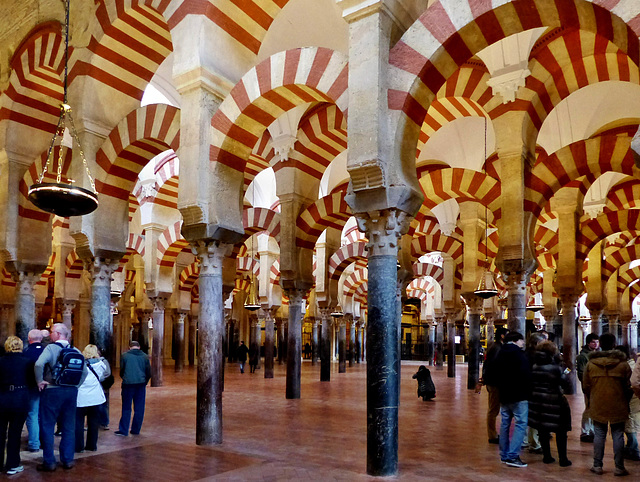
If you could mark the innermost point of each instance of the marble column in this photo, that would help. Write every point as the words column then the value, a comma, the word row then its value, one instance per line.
column 431, row 338
column 569, row 340
column 193, row 339
column 474, row 310
column 517, row 301
column 624, row 322
column 451, row 345
column 361, row 332
column 614, row 323
column 633, row 336
column 101, row 324
column 352, row 342
column 268, row 341
column 157, row 349
column 314, row 341
column 281, row 348
column 342, row 348
column 143, row 336
column 325, row 346
column 179, row 327
column 6, row 327
column 25, row 303
column 67, row 307
column 294, row 343
column 440, row 320
column 210, row 254
column 383, row 230
column 491, row 329
column 596, row 321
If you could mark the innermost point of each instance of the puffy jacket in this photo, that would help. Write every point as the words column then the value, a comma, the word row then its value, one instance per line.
column 513, row 374
column 606, row 383
column 581, row 361
column 90, row 393
column 489, row 365
column 135, row 367
column 548, row 408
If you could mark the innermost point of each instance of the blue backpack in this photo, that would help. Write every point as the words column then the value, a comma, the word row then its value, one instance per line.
column 68, row 369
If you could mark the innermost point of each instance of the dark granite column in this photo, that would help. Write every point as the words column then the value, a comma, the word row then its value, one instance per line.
column 517, row 301
column 6, row 327
column 352, row 342
column 211, row 324
column 451, row 345
column 474, row 310
column 157, row 349
column 325, row 346
column 382, row 228
column 342, row 348
column 314, row 342
column 193, row 339
column 440, row 321
column 25, row 303
column 101, row 324
column 294, row 343
column 569, row 338
column 268, row 341
column 358, row 341
column 179, row 326
column 281, row 342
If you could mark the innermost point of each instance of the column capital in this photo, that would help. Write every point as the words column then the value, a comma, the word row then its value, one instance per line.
column 25, row 281
column 474, row 303
column 66, row 306
column 101, row 270
column 295, row 295
column 210, row 255
column 383, row 230
column 159, row 303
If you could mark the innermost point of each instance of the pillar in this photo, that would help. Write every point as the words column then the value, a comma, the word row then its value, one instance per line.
column 624, row 321
column 67, row 308
column 325, row 346
column 101, row 324
column 268, row 341
column 440, row 342
column 569, row 342
column 314, row 341
column 431, row 337
column 633, row 336
column 157, row 349
column 596, row 321
column 342, row 348
column 179, row 327
column 193, row 336
column 491, row 329
column 294, row 343
column 451, row 345
column 474, row 310
column 361, row 331
column 517, row 302
column 210, row 254
column 6, row 327
column 352, row 342
column 281, row 349
column 25, row 303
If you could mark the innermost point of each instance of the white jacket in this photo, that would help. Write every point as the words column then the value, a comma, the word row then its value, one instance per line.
column 90, row 393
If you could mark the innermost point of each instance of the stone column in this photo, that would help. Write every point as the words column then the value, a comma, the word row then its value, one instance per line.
column 6, row 327
column 440, row 342
column 179, row 326
column 614, row 323
column 101, row 324
column 157, row 349
column 569, row 341
column 67, row 307
column 342, row 349
column 596, row 321
column 383, row 230
column 325, row 346
column 517, row 301
column 281, row 349
column 211, row 323
column 193, row 337
column 352, row 342
column 451, row 345
column 294, row 343
column 474, row 310
column 633, row 336
column 314, row 341
column 624, row 321
column 361, row 331
column 491, row 329
column 25, row 303
column 143, row 337
column 268, row 340
column 253, row 323
column 431, row 337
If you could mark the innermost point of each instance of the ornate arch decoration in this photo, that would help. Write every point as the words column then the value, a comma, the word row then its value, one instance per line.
column 595, row 230
column 170, row 245
column 331, row 211
column 343, row 257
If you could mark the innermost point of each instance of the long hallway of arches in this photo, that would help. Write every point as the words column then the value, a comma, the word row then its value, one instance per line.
column 320, row 437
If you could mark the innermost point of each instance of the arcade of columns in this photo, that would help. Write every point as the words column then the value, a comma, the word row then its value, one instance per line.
column 484, row 138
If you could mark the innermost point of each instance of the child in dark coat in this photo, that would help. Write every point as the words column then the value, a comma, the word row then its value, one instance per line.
column 426, row 388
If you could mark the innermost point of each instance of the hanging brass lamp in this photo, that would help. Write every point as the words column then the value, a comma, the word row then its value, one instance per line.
column 252, row 303
column 486, row 290
column 63, row 198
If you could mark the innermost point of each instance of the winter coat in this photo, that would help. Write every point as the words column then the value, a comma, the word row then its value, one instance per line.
column 426, row 388
column 513, row 374
column 15, row 379
column 242, row 353
column 633, row 422
column 548, row 408
column 606, row 383
column 489, row 365
column 581, row 361
column 90, row 393
column 135, row 367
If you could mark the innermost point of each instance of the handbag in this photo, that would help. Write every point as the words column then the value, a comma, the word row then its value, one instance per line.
column 107, row 383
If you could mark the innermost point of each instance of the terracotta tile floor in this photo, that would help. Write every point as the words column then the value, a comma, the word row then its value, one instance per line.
column 319, row 437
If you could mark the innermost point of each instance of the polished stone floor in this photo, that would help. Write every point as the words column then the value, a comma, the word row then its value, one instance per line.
column 322, row 436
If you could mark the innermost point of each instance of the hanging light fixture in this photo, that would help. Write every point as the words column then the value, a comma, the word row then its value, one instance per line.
column 252, row 302
column 337, row 313
column 63, row 198
column 487, row 286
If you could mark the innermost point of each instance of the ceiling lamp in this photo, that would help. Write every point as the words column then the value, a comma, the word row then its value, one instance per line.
column 62, row 197
column 337, row 313
column 252, row 303
column 487, row 287
column 533, row 307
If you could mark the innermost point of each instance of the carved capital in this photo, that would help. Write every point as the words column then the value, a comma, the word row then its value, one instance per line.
column 25, row 281
column 181, row 316
column 159, row 303
column 295, row 296
column 516, row 282
column 101, row 270
column 210, row 255
column 383, row 230
column 66, row 307
column 474, row 303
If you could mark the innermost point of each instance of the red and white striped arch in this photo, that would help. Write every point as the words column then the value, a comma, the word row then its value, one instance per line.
column 353, row 235
column 274, row 273
column 275, row 86
column 626, row 277
column 427, row 269
column 256, row 220
column 44, row 277
column 624, row 195
column 422, row 288
column 129, row 41
column 189, row 277
column 344, row 256
column 247, row 264
column 354, row 280
column 138, row 138
column 595, row 230
column 619, row 257
column 74, row 266
column 170, row 245
column 331, row 211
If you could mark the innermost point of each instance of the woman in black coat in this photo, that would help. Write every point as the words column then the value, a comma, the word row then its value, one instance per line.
column 15, row 371
column 548, row 407
column 426, row 388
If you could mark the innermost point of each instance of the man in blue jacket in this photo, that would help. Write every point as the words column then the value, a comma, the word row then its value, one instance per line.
column 135, row 371
column 514, row 385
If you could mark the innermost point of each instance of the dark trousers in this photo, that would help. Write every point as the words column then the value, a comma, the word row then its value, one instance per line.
column 104, row 411
column 93, row 422
column 132, row 393
column 11, row 422
column 58, row 404
column 561, row 443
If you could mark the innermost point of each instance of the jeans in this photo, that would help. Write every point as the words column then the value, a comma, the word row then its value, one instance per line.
column 93, row 422
column 58, row 404
column 11, row 422
column 132, row 393
column 33, row 425
column 510, row 449
column 617, row 434
column 104, row 410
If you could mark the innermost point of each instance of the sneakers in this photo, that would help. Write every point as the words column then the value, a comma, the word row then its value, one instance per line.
column 596, row 470
column 15, row 470
column 119, row 433
column 618, row 472
column 517, row 462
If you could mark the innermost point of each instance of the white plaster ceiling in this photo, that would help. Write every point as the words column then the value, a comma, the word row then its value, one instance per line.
column 162, row 82
column 262, row 191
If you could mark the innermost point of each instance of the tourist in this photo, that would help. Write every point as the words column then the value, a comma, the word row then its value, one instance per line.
column 591, row 345
column 33, row 352
column 242, row 351
column 90, row 398
column 426, row 388
column 489, row 380
column 135, row 371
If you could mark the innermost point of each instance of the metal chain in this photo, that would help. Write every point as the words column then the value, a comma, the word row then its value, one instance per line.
column 50, row 151
column 84, row 160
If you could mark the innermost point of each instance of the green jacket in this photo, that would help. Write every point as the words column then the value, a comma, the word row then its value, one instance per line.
column 581, row 361
column 135, row 367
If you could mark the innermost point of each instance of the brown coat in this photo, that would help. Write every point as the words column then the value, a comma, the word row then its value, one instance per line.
column 606, row 382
